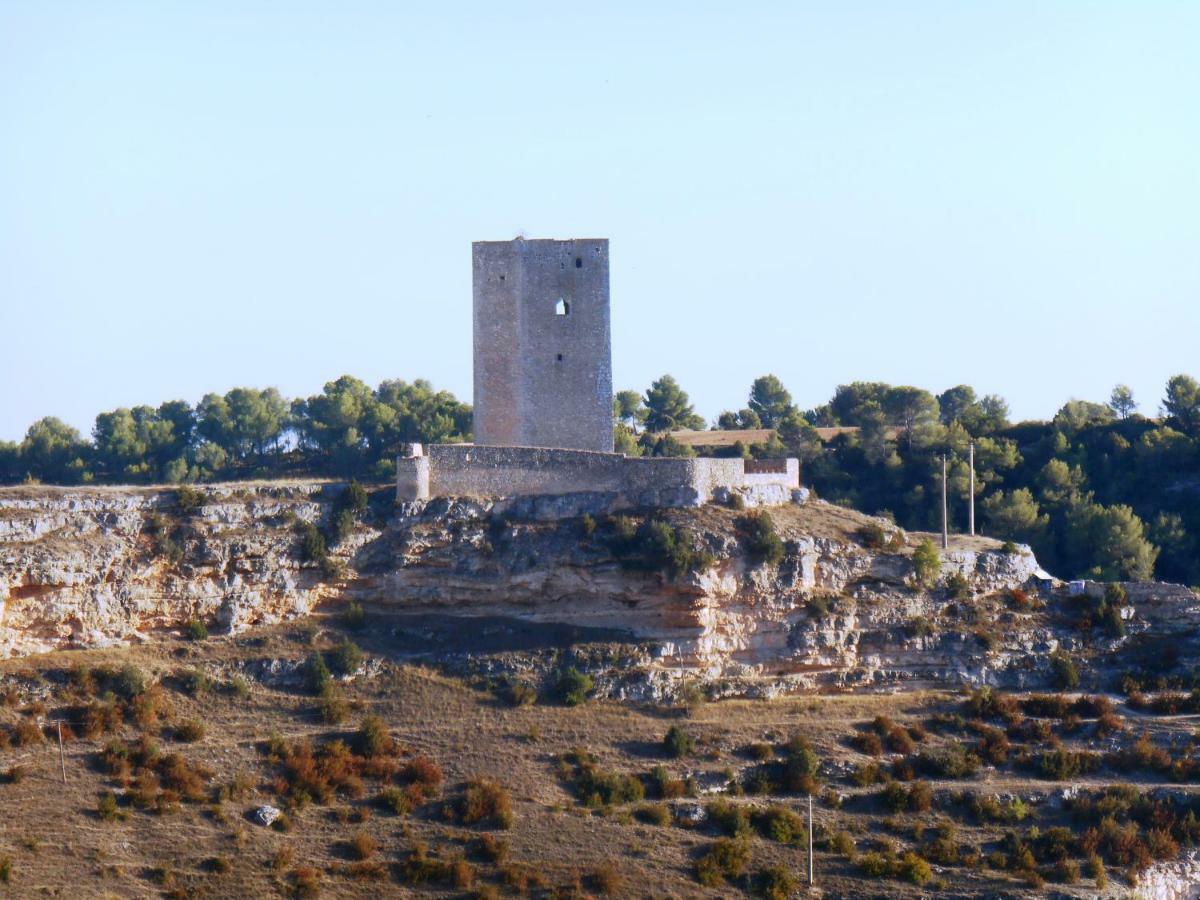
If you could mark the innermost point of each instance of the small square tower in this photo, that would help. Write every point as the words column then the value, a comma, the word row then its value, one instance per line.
column 543, row 348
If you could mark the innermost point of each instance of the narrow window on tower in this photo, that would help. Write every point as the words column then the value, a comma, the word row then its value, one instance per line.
column 559, row 357
column 562, row 307
column 579, row 262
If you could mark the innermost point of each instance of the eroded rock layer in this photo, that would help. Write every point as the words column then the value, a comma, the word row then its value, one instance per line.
column 94, row 566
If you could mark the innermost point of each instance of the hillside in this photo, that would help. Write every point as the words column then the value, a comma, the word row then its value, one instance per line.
column 550, row 658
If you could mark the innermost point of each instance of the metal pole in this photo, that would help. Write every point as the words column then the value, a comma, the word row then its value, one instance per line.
column 810, row 842
column 945, row 526
column 62, row 759
column 972, row 506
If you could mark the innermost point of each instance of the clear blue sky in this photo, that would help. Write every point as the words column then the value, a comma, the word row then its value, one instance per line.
column 195, row 196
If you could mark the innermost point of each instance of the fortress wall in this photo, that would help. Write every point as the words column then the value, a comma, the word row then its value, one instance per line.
column 466, row 470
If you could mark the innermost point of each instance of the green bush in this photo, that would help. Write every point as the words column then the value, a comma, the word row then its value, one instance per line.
column 1062, row 667
column 317, row 676
column 573, row 686
column 345, row 658
column 654, row 814
column 108, row 810
column 354, row 617
column 731, row 818
column 674, row 549
column 195, row 630
column 355, row 499
column 873, row 536
column 188, row 499
column 776, row 883
column 340, row 525
column 781, row 825
column 312, row 543
column 927, row 563
column 726, row 858
column 518, row 693
column 677, row 742
column 958, row 586
column 762, row 541
column 913, row 868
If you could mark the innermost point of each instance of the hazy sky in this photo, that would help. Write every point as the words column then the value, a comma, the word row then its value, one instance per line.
column 195, row 196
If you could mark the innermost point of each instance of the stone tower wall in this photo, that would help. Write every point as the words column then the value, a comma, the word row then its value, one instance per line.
column 542, row 379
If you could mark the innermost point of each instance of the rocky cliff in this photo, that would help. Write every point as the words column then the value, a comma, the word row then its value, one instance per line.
column 94, row 566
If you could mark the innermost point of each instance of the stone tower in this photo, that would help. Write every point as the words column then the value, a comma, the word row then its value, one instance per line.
column 543, row 351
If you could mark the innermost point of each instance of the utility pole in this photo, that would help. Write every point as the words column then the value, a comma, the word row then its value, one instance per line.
column 971, row 508
column 945, row 526
column 810, row 842
column 62, row 759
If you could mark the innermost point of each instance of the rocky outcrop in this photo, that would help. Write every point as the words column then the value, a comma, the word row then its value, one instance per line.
column 94, row 566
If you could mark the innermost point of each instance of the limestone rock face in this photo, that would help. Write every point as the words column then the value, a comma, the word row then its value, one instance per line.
column 97, row 566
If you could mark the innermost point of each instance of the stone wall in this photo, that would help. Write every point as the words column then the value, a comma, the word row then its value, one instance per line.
column 466, row 470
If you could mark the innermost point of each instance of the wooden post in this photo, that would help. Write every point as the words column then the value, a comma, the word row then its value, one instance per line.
column 62, row 758
column 810, row 840
column 945, row 526
column 971, row 508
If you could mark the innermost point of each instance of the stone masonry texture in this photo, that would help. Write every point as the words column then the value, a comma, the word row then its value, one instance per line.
column 543, row 354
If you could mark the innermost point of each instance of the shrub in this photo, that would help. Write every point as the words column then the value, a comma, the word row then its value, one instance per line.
column 190, row 731
column 1019, row 600
column 867, row 742
column 1062, row 667
column 677, row 742
column 354, row 617
column 867, row 774
column 195, row 630
column 195, row 683
column 188, row 499
column 782, row 825
column 726, row 858
column 818, row 607
column 731, row 818
column 776, row 883
column 607, row 879
column 573, row 686
column 333, row 707
column 486, row 800
column 363, row 846
column 842, row 844
column 985, row 703
column 129, row 681
column 519, row 693
column 663, row 546
column 958, row 586
column 951, row 761
column 373, row 739
column 587, row 526
column 5, row 870
column 874, row 865
column 1059, row 764
column 238, row 687
column 873, row 536
column 317, row 676
column 394, row 800
column 913, row 868
column 761, row 750
column 920, row 796
column 899, row 740
column 653, row 814
column 423, row 772
column 762, row 541
column 107, row 808
column 345, row 658
column 927, row 563
column 312, row 543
